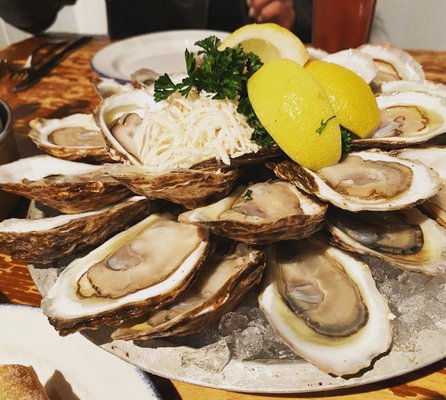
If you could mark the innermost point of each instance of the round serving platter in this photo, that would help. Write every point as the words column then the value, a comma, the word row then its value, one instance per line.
column 414, row 348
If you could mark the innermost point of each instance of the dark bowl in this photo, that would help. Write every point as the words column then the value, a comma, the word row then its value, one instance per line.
column 8, row 153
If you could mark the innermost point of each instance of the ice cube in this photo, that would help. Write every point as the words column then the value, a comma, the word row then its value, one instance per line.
column 248, row 343
column 232, row 321
column 213, row 357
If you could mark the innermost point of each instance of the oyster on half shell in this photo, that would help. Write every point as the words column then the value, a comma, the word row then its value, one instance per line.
column 68, row 186
column 132, row 273
column 366, row 180
column 121, row 119
column 393, row 64
column 407, row 238
column 407, row 118
column 261, row 213
column 72, row 138
column 220, row 286
column 48, row 239
column 325, row 306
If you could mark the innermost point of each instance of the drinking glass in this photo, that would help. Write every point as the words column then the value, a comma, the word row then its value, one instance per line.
column 341, row 24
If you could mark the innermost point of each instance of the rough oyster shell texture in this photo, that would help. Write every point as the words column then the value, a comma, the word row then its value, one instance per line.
column 406, row 185
column 67, row 186
column 49, row 239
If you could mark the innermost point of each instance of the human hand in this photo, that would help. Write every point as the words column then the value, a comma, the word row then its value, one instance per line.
column 281, row 12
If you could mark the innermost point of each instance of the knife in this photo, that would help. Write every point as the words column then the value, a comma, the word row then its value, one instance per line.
column 35, row 75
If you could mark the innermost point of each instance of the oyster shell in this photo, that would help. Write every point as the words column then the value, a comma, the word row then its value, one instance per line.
column 144, row 78
column 407, row 118
column 132, row 273
column 324, row 305
column 407, row 238
column 48, row 239
column 74, row 137
column 261, row 213
column 188, row 187
column 121, row 118
column 366, row 180
column 68, row 186
column 133, row 103
column 106, row 87
column 222, row 282
column 435, row 207
column 393, row 64
column 426, row 86
column 434, row 157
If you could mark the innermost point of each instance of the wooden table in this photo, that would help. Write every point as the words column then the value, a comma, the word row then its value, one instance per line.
column 69, row 90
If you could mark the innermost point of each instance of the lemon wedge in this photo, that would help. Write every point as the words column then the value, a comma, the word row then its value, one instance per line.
column 351, row 97
column 269, row 41
column 296, row 112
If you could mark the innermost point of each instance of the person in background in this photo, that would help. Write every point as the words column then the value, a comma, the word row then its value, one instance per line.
column 134, row 17
column 33, row 16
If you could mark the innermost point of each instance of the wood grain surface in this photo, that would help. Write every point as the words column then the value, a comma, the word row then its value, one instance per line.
column 68, row 90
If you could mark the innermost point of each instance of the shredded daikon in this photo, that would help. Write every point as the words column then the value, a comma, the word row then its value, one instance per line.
column 187, row 130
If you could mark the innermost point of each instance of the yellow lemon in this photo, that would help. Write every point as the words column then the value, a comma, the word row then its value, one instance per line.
column 296, row 112
column 269, row 41
column 351, row 97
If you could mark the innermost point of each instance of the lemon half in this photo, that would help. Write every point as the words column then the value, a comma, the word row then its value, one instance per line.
column 296, row 112
column 351, row 97
column 269, row 41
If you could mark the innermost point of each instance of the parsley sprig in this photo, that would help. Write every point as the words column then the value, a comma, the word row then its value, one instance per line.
column 346, row 140
column 324, row 124
column 224, row 73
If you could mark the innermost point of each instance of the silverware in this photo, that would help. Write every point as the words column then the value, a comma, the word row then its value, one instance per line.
column 35, row 69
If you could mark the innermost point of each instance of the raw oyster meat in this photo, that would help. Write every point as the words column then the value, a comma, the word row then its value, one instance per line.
column 222, row 282
column 68, row 186
column 366, row 180
column 261, row 213
column 132, row 273
column 324, row 305
column 49, row 239
column 407, row 238
column 74, row 137
column 407, row 118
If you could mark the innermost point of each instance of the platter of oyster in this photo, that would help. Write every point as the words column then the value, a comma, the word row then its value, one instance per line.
column 235, row 267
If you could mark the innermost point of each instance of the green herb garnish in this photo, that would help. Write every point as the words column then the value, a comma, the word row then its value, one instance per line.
column 346, row 140
column 222, row 72
column 260, row 135
column 324, row 124
column 248, row 195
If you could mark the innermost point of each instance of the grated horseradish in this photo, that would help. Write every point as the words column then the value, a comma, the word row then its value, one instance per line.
column 188, row 130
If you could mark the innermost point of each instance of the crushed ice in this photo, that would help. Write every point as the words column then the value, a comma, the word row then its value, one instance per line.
column 417, row 300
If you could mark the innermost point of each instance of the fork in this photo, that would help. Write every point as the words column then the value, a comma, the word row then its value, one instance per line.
column 37, row 57
column 40, row 67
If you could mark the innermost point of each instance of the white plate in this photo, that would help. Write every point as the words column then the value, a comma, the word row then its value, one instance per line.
column 168, row 360
column 160, row 51
column 68, row 367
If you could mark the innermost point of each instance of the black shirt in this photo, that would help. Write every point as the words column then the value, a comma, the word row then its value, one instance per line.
column 133, row 17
